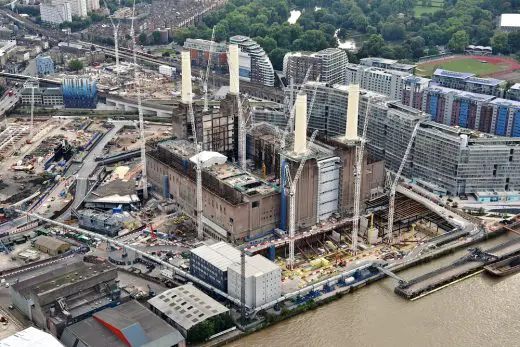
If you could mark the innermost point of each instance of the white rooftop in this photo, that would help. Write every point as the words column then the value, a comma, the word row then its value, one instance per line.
column 30, row 337
column 207, row 158
column 187, row 306
column 256, row 266
column 221, row 255
column 510, row 20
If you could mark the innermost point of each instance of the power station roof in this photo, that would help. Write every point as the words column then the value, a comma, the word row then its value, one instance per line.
column 187, row 306
column 30, row 337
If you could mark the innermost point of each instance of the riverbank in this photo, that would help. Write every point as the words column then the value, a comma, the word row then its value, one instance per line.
column 270, row 319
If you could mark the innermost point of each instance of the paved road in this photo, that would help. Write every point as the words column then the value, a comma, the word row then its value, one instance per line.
column 90, row 164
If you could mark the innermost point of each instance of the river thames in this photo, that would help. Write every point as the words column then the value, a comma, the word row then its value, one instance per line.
column 479, row 311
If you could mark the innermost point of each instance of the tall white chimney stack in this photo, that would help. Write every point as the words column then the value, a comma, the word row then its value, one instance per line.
column 186, row 77
column 233, row 63
column 352, row 112
column 300, row 125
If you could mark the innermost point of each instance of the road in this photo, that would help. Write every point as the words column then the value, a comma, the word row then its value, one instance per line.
column 90, row 164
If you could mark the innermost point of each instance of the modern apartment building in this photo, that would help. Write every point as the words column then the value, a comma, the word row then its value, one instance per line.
column 55, row 11
column 414, row 87
column 387, row 64
column 78, row 8
column 468, row 82
column 329, row 64
column 383, row 81
column 458, row 160
column 44, row 65
column 481, row 112
column 199, row 54
column 513, row 93
column 262, row 71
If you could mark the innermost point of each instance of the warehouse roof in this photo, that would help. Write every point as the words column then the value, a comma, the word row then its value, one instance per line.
column 187, row 306
column 30, row 337
column 129, row 322
column 50, row 243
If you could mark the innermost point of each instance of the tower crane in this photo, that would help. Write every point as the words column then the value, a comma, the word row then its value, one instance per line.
column 31, row 84
column 288, row 126
column 116, row 36
column 357, row 174
column 144, row 178
column 198, row 172
column 292, row 183
column 205, row 85
column 391, row 202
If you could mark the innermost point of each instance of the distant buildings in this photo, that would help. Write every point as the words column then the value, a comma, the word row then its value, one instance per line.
column 79, row 93
column 44, row 65
column 329, row 64
column 262, row 71
column 46, row 97
column 389, row 64
column 199, row 53
column 55, row 11
column 510, row 22
column 186, row 307
column 380, row 80
column 514, row 92
column 468, row 82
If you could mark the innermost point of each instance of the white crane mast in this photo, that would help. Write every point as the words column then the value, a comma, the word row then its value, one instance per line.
column 205, row 85
column 357, row 174
column 116, row 36
column 144, row 178
column 391, row 202
column 198, row 172
column 241, row 135
column 292, row 183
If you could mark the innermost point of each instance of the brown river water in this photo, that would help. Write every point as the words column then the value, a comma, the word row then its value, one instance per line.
column 479, row 311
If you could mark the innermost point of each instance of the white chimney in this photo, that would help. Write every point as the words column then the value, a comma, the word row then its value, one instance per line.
column 300, row 125
column 186, row 77
column 352, row 112
column 233, row 63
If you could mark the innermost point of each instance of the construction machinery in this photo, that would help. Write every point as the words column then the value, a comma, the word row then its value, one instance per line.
column 198, row 170
column 116, row 37
column 205, row 80
column 31, row 83
column 360, row 148
column 391, row 202
column 144, row 178
column 292, row 183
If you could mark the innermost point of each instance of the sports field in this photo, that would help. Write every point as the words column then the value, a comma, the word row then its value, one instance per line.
column 479, row 65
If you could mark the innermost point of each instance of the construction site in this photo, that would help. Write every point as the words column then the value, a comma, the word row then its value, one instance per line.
column 256, row 215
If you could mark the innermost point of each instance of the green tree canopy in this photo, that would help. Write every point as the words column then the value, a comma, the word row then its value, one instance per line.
column 459, row 41
column 75, row 65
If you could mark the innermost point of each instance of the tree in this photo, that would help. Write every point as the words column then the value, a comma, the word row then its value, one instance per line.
column 459, row 41
column 201, row 331
column 277, row 56
column 513, row 40
column 156, row 37
column 393, row 31
column 75, row 65
column 143, row 39
column 499, row 42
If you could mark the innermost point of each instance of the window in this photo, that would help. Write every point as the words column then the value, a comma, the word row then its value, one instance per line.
column 256, row 204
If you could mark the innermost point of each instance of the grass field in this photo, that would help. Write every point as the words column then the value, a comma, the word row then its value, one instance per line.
column 420, row 8
column 461, row 65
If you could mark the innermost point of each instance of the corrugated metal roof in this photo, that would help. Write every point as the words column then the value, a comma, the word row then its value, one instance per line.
column 220, row 254
column 187, row 306
column 30, row 337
